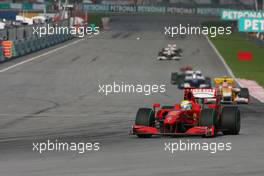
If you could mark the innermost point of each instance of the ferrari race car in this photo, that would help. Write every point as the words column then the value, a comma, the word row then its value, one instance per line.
column 190, row 78
column 171, row 52
column 201, row 113
column 230, row 92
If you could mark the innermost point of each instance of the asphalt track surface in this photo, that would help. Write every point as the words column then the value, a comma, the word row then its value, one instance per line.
column 56, row 97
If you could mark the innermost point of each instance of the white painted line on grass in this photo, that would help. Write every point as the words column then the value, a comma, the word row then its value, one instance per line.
column 227, row 67
column 39, row 56
column 220, row 57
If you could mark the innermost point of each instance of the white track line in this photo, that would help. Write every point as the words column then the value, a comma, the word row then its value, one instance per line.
column 39, row 56
column 226, row 66
column 221, row 57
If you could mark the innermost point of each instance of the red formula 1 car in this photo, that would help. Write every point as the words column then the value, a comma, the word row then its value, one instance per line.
column 205, row 117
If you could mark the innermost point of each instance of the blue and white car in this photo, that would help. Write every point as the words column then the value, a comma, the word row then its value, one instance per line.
column 191, row 79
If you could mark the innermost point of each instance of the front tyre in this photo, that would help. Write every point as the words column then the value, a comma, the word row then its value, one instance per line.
column 244, row 93
column 174, row 78
column 230, row 120
column 145, row 117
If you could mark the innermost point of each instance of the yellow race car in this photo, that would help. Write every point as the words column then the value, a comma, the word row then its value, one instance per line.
column 230, row 93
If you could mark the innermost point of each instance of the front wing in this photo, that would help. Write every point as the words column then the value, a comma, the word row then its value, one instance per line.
column 168, row 57
column 195, row 131
column 241, row 100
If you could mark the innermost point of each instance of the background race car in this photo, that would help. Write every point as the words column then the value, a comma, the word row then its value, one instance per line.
column 202, row 117
column 190, row 78
column 171, row 52
column 230, row 92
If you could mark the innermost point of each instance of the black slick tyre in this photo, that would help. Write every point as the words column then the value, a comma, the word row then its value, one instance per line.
column 145, row 117
column 230, row 120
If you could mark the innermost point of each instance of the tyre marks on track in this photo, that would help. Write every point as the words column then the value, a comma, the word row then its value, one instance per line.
column 116, row 35
column 122, row 35
column 127, row 35
column 31, row 115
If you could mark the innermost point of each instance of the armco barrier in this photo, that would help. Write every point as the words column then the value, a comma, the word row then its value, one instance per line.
column 27, row 31
column 25, row 41
column 17, row 48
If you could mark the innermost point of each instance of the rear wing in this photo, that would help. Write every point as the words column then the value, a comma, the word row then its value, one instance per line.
column 220, row 80
column 186, row 68
column 193, row 93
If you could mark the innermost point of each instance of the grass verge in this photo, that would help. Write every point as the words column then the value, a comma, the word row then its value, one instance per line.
column 230, row 45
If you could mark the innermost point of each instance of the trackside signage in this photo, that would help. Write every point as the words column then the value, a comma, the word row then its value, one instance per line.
column 120, row 8
column 97, row 8
column 152, row 9
column 181, row 10
column 251, row 25
column 237, row 14
column 208, row 11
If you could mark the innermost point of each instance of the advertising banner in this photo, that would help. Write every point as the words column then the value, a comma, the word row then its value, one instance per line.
column 209, row 11
column 96, row 8
column 181, row 10
column 237, row 14
column 251, row 25
column 122, row 8
column 152, row 9
column 15, row 6
column 4, row 6
column 38, row 6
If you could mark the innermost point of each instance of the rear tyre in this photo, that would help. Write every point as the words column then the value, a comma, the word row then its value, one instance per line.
column 230, row 120
column 244, row 93
column 174, row 78
column 180, row 51
column 145, row 117
column 208, row 118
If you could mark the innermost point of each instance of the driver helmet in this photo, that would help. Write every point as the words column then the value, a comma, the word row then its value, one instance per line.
column 225, row 84
column 186, row 105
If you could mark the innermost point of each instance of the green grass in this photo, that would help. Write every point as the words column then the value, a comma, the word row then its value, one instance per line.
column 229, row 45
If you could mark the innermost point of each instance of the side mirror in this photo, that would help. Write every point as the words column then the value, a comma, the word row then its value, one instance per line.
column 156, row 105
